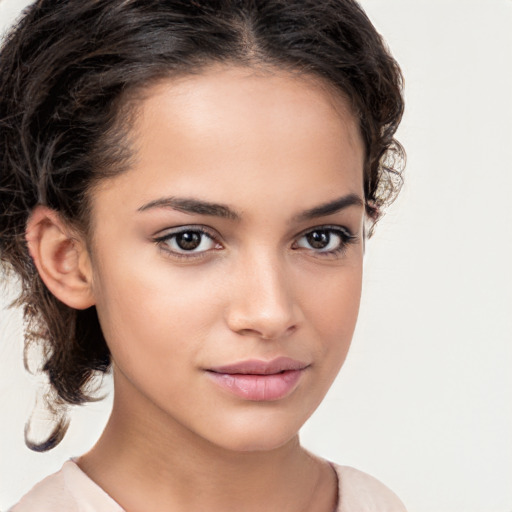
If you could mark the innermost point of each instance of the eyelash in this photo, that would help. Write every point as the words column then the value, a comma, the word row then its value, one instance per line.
column 345, row 239
column 164, row 241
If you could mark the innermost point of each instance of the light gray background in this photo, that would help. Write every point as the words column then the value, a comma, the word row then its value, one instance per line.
column 424, row 401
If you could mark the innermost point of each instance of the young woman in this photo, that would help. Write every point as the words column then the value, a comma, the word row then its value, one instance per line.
column 185, row 192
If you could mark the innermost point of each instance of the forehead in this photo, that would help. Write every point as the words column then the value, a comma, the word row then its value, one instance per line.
column 259, row 101
column 231, row 134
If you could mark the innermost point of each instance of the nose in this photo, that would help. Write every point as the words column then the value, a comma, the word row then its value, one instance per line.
column 262, row 302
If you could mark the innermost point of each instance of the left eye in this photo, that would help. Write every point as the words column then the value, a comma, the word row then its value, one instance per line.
column 188, row 241
column 324, row 240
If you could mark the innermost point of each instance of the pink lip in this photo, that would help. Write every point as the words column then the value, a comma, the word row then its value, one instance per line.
column 259, row 380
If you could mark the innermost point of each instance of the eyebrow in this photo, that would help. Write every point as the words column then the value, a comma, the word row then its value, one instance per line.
column 330, row 208
column 198, row 207
column 194, row 206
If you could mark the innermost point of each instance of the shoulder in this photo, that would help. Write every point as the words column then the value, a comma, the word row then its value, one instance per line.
column 360, row 492
column 49, row 494
column 68, row 490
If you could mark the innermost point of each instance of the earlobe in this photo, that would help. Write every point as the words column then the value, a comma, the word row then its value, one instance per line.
column 60, row 257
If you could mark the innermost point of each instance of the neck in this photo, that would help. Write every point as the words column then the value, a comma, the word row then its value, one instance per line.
column 142, row 453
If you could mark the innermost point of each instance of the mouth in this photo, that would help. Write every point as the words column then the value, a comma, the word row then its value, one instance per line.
column 257, row 367
column 259, row 381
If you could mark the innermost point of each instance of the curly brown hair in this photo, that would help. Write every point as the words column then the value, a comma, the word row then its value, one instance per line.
column 69, row 71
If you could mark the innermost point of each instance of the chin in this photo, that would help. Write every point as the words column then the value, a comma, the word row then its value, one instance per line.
column 264, row 432
column 264, row 442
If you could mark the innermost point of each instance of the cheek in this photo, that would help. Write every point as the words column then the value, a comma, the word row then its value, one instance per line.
column 333, row 312
column 152, row 311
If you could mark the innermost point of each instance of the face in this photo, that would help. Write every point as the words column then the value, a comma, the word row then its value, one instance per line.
column 227, row 261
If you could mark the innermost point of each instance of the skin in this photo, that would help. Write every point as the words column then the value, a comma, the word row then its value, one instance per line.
column 270, row 146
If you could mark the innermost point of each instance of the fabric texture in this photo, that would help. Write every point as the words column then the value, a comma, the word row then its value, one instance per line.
column 71, row 490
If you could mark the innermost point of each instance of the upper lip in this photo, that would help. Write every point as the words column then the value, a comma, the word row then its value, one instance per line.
column 259, row 367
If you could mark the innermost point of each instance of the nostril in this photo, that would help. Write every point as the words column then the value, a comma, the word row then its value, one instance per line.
column 290, row 330
column 268, row 335
column 266, row 312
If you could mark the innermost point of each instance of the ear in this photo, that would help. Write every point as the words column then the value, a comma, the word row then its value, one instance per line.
column 61, row 258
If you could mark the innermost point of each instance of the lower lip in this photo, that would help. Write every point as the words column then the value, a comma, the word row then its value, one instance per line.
column 259, row 388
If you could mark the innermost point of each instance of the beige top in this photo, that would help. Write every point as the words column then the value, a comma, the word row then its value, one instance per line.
column 71, row 490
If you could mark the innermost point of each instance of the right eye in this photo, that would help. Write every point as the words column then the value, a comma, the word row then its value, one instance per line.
column 188, row 241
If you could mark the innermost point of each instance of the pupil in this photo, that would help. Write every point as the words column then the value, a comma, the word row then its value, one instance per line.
column 318, row 239
column 188, row 241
